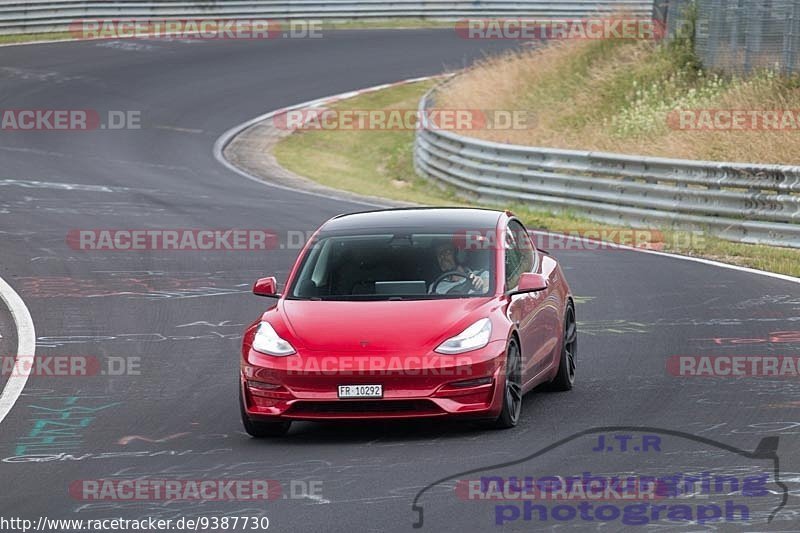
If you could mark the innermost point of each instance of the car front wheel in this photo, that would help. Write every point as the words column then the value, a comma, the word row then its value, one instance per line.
column 565, row 379
column 512, row 392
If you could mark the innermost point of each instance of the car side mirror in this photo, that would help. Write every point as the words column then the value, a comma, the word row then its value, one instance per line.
column 266, row 287
column 531, row 282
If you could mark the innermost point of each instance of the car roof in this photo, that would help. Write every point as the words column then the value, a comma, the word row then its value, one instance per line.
column 417, row 217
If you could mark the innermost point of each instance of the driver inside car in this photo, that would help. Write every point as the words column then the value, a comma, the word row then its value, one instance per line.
column 462, row 280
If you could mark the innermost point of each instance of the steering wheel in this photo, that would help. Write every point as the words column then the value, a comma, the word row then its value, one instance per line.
column 442, row 277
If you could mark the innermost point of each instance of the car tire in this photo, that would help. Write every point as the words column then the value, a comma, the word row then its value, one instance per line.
column 565, row 378
column 259, row 429
column 512, row 390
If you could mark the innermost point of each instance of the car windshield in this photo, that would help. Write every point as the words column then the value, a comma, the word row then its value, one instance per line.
column 394, row 265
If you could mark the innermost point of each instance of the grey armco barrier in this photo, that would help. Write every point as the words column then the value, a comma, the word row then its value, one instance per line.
column 39, row 16
column 743, row 202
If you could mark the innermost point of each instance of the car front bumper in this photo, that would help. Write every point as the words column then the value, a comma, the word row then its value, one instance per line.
column 305, row 386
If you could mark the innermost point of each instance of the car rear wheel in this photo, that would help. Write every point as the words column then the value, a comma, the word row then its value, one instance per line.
column 565, row 379
column 260, row 429
column 512, row 393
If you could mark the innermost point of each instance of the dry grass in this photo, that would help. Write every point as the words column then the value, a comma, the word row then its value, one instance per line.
column 617, row 96
column 380, row 163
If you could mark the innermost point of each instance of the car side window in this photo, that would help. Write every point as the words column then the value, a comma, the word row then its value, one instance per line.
column 519, row 253
column 527, row 249
column 513, row 261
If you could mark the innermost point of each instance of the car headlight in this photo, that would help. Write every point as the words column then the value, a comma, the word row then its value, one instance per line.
column 268, row 342
column 474, row 337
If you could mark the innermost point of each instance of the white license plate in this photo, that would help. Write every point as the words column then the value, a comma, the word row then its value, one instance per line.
column 360, row 391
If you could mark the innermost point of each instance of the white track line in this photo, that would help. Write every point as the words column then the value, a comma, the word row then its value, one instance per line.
column 228, row 136
column 710, row 262
column 26, row 346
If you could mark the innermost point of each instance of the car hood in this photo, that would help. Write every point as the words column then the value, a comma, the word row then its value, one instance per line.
column 382, row 326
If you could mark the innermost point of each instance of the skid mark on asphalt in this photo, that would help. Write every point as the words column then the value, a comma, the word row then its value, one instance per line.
column 95, row 209
column 681, row 308
column 624, row 327
column 81, row 187
column 85, row 157
column 65, row 457
column 177, row 129
column 55, row 341
column 44, row 76
column 128, row 46
column 144, row 44
column 758, row 428
column 138, row 287
column 788, row 300
column 791, row 337
column 611, row 327
column 21, row 233
column 223, row 324
column 124, row 441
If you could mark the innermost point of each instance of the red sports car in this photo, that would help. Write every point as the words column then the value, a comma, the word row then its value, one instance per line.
column 405, row 313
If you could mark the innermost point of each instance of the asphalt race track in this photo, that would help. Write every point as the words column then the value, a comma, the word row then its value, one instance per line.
column 182, row 313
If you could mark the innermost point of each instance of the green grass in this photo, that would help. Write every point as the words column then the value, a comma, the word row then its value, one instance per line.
column 33, row 37
column 380, row 163
column 374, row 163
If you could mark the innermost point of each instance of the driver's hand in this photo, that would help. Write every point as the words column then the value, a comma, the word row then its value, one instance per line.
column 477, row 282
